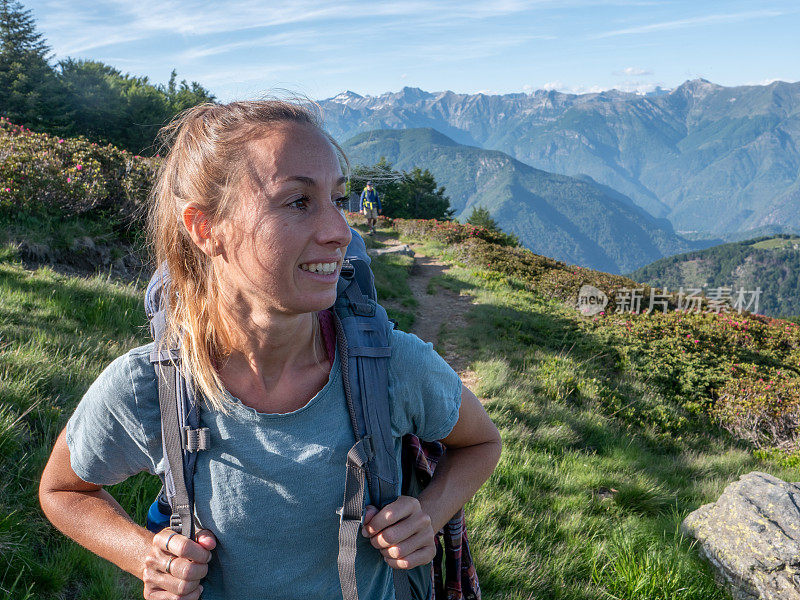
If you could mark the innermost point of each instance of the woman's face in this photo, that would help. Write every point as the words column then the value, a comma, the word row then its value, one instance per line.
column 286, row 240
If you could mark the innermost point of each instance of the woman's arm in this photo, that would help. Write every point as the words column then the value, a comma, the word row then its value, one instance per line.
column 89, row 515
column 403, row 530
column 473, row 451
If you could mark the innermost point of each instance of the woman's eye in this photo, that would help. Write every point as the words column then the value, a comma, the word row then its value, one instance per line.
column 301, row 202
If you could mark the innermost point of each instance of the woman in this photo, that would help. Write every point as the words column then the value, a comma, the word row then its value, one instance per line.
column 247, row 212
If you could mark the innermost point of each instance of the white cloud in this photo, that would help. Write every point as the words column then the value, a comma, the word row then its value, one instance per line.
column 560, row 86
column 682, row 23
column 633, row 72
column 553, row 85
column 144, row 19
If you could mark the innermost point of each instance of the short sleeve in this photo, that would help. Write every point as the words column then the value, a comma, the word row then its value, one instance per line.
column 424, row 390
column 105, row 435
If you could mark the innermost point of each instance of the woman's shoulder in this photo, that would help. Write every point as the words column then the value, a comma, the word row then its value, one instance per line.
column 404, row 344
column 115, row 429
column 130, row 372
column 425, row 392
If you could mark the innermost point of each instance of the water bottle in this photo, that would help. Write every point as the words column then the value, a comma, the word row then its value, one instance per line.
column 159, row 513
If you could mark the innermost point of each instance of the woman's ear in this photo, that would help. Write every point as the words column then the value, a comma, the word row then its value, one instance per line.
column 200, row 230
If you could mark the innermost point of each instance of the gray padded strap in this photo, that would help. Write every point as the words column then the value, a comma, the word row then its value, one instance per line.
column 402, row 586
column 350, row 516
column 181, row 519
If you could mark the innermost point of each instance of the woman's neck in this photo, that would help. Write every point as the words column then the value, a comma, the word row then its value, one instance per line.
column 271, row 345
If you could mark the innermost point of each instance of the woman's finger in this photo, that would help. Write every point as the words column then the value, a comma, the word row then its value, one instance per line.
column 408, row 546
column 392, row 513
column 408, row 527
column 180, row 545
column 419, row 557
column 173, row 582
column 206, row 539
column 159, row 594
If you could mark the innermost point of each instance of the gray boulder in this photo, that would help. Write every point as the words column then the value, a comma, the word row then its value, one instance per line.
column 751, row 536
column 401, row 249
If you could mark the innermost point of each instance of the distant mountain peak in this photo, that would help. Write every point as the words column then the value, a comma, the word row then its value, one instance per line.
column 697, row 86
column 410, row 94
column 345, row 97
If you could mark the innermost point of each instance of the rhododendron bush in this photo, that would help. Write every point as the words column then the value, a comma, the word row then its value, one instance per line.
column 40, row 173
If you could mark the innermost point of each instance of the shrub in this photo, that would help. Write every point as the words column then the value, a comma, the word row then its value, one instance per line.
column 761, row 407
column 44, row 174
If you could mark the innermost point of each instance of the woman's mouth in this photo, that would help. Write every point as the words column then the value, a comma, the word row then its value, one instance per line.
column 321, row 268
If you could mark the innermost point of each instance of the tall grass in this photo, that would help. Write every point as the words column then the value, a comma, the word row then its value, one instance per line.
column 590, row 490
column 56, row 334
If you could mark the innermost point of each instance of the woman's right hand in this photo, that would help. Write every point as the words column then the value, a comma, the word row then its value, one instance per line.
column 189, row 565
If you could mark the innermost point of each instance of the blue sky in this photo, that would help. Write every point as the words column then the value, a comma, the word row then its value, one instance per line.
column 243, row 48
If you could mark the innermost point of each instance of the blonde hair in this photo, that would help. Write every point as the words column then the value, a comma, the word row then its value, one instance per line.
column 204, row 163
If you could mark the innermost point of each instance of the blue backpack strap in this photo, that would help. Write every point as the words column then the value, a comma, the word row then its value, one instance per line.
column 363, row 329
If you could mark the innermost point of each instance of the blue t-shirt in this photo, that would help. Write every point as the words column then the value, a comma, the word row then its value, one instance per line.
column 270, row 484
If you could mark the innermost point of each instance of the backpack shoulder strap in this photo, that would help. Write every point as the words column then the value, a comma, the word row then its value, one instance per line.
column 181, row 434
column 363, row 330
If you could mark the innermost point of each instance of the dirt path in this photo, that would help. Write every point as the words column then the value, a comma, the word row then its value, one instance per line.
column 441, row 308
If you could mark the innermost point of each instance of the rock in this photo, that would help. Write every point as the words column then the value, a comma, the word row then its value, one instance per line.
column 35, row 253
column 401, row 249
column 84, row 253
column 751, row 536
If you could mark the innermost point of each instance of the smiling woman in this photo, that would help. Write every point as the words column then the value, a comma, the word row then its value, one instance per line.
column 247, row 216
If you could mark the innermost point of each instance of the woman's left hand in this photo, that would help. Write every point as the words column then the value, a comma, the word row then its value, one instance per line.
column 402, row 532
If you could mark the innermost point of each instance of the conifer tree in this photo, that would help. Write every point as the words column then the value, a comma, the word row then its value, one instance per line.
column 480, row 217
column 30, row 93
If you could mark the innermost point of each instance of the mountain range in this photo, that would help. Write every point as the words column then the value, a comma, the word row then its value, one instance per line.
column 576, row 220
column 710, row 159
column 771, row 263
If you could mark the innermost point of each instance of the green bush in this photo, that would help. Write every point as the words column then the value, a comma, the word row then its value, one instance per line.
column 44, row 174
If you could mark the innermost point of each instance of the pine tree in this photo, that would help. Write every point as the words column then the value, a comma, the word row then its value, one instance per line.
column 30, row 93
column 480, row 217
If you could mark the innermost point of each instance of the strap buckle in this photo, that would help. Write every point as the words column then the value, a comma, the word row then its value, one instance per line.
column 175, row 522
column 193, row 440
column 348, row 270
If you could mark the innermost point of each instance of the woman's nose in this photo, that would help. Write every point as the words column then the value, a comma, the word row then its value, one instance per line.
column 334, row 227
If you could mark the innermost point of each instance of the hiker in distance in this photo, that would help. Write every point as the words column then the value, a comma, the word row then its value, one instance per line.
column 370, row 206
column 247, row 215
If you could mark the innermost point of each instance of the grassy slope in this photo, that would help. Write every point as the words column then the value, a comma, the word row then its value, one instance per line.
column 585, row 502
column 598, row 469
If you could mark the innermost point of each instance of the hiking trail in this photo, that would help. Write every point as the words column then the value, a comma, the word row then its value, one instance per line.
column 437, row 307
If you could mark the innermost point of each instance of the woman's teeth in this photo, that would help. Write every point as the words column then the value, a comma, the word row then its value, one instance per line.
column 320, row 267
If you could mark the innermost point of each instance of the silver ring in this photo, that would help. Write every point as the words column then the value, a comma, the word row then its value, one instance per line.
column 166, row 544
column 169, row 564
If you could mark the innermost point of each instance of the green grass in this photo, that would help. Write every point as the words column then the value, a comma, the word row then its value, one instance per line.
column 56, row 334
column 590, row 490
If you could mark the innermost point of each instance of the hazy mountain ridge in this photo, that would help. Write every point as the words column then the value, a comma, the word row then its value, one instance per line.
column 771, row 263
column 571, row 219
column 708, row 157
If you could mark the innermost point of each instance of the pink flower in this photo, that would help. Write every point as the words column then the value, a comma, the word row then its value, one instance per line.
column 69, row 179
column 60, row 141
column 8, row 189
column 696, row 341
column 79, row 167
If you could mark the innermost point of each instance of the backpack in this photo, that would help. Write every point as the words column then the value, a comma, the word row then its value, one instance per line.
column 362, row 334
